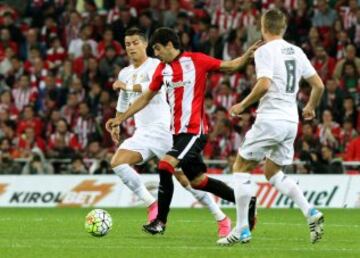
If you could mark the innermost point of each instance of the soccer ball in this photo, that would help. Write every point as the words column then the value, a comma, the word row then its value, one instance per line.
column 98, row 222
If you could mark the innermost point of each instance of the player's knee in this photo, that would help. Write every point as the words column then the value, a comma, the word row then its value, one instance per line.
column 116, row 161
column 165, row 166
column 243, row 165
column 199, row 182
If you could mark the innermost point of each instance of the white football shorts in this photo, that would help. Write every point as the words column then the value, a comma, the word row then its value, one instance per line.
column 271, row 139
column 149, row 142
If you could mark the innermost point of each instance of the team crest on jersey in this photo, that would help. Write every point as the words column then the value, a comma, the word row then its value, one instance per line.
column 134, row 76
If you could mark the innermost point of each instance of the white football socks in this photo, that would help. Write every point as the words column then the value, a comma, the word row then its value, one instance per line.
column 288, row 187
column 243, row 192
column 205, row 199
column 131, row 179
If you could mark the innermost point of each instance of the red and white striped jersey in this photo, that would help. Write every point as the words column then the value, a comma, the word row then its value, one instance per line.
column 349, row 17
column 225, row 20
column 185, row 79
column 23, row 97
column 246, row 18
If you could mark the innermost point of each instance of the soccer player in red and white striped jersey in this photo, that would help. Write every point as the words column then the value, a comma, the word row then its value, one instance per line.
column 184, row 75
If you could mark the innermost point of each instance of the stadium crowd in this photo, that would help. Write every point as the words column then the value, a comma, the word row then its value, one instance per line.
column 59, row 58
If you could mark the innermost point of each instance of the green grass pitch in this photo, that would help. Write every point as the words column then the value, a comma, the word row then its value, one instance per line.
column 53, row 233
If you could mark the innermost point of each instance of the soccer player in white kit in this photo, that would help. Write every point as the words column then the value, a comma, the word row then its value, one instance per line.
column 279, row 68
column 152, row 137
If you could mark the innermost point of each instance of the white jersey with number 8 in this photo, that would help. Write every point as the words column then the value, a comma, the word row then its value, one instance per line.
column 285, row 64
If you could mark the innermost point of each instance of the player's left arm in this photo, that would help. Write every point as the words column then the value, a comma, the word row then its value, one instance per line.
column 261, row 87
column 119, row 85
column 264, row 64
column 236, row 64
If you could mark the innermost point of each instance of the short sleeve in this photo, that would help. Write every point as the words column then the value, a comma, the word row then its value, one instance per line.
column 264, row 63
column 308, row 70
column 208, row 63
column 157, row 78
column 121, row 75
column 150, row 71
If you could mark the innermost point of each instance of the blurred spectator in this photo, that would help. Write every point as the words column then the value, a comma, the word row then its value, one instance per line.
column 62, row 143
column 323, row 63
column 29, row 119
column 31, row 41
column 347, row 134
column 78, row 166
column 324, row 16
column 5, row 64
column 72, row 29
column 326, row 163
column 108, row 40
column 349, row 14
column 214, row 45
column 352, row 152
column 223, row 140
column 349, row 78
column 81, row 63
column 56, row 54
column 85, row 125
column 28, row 141
column 147, row 23
column 332, row 99
column 226, row 16
column 308, row 141
column 354, row 31
column 23, row 93
column 51, row 122
column 349, row 111
column 76, row 45
column 108, row 64
column 69, row 110
column 115, row 13
column 8, row 23
column 350, row 55
column 170, row 15
column 48, row 31
column 5, row 42
column 8, row 166
column 8, row 105
column 7, row 148
column 37, row 164
column 299, row 22
column 125, row 21
column 91, row 73
column 8, row 130
column 224, row 96
column 328, row 131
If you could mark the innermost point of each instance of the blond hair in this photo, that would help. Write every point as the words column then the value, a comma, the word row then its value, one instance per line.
column 274, row 21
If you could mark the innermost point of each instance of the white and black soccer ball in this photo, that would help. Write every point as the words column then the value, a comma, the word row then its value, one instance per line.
column 98, row 222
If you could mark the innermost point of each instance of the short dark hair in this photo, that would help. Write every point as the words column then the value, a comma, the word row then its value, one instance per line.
column 135, row 31
column 165, row 35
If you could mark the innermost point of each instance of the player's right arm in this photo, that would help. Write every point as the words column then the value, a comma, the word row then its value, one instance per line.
column 138, row 105
column 317, row 88
column 144, row 99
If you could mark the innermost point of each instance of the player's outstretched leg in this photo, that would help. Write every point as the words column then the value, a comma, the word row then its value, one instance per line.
column 245, row 203
column 165, row 193
column 223, row 222
column 243, row 192
column 132, row 180
column 225, row 192
column 288, row 187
